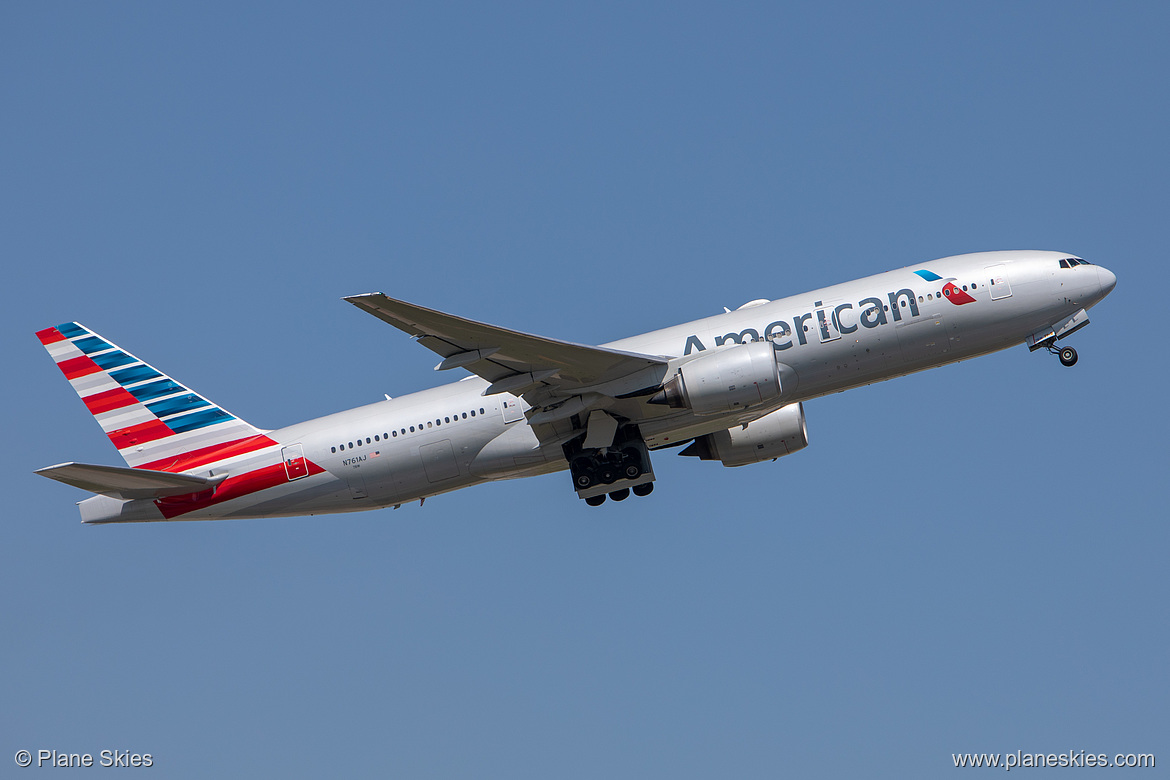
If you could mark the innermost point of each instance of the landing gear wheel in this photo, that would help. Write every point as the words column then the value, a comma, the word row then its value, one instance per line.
column 633, row 471
column 595, row 500
column 620, row 495
column 608, row 475
column 1068, row 356
column 584, row 481
column 644, row 489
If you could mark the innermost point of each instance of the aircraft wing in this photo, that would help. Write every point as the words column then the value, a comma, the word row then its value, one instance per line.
column 536, row 367
column 127, row 483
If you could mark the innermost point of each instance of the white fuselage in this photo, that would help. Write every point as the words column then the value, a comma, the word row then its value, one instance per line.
column 449, row 437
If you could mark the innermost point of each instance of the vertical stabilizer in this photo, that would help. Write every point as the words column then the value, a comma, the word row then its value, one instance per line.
column 154, row 421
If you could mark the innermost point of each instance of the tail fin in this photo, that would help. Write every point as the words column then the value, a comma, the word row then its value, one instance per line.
column 154, row 421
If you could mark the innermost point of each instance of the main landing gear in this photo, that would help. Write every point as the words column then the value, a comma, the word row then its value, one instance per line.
column 606, row 467
column 645, row 489
column 1067, row 355
column 614, row 471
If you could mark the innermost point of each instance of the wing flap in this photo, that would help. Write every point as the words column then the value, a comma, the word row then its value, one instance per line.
column 127, row 483
column 506, row 358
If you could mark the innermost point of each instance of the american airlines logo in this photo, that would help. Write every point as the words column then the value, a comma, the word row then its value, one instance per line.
column 955, row 295
column 827, row 323
column 832, row 322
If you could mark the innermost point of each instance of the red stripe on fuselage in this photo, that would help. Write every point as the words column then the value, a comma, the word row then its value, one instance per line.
column 232, row 487
column 109, row 400
column 140, row 434
column 78, row 366
column 195, row 458
column 50, row 336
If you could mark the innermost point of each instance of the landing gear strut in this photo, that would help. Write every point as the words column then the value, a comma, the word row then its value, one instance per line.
column 1067, row 355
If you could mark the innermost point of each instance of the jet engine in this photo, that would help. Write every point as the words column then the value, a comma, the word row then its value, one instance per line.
column 778, row 433
column 724, row 380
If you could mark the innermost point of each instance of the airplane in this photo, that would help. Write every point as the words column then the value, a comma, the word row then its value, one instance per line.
column 729, row 388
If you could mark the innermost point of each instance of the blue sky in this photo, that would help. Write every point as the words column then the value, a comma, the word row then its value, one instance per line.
column 972, row 559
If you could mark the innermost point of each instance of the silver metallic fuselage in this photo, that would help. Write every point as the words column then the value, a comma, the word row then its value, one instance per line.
column 820, row 337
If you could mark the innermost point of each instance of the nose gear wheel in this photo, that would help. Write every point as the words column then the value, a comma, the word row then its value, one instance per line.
column 1067, row 355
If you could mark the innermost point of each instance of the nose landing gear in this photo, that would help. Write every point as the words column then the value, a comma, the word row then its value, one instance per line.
column 1067, row 355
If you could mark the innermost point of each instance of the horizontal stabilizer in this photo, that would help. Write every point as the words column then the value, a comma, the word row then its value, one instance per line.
column 126, row 483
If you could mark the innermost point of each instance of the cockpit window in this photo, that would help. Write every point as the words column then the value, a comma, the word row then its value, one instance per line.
column 1064, row 264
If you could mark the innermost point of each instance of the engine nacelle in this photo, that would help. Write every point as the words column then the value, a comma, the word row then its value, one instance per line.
column 774, row 435
column 725, row 380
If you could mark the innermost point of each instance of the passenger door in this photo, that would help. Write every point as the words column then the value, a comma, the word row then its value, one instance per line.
column 294, row 462
column 1001, row 286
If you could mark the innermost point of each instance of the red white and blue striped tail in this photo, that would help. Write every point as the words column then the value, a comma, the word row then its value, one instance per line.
column 154, row 421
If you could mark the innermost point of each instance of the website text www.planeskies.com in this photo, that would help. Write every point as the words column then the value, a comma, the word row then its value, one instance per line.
column 1069, row 758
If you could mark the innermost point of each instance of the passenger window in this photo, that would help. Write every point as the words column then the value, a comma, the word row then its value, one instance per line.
column 395, row 434
column 429, row 424
column 964, row 288
column 359, row 442
column 929, row 297
column 412, row 429
column 351, row 445
column 473, row 413
column 333, row 449
column 481, row 410
column 947, row 292
column 446, row 419
column 465, row 415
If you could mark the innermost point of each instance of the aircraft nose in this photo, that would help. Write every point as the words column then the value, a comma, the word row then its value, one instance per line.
column 1106, row 279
